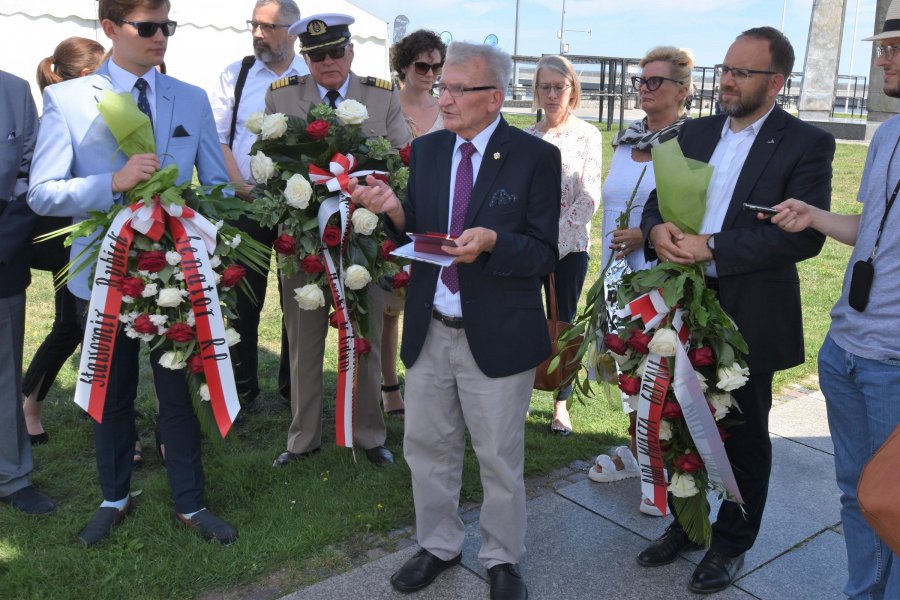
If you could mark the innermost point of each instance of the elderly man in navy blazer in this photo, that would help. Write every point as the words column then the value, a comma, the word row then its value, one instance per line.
column 476, row 330
column 18, row 123
column 77, row 168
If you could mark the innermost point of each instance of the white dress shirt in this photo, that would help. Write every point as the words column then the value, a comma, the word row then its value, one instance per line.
column 342, row 91
column 123, row 81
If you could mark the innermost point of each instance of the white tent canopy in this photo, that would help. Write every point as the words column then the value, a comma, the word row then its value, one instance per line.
column 211, row 34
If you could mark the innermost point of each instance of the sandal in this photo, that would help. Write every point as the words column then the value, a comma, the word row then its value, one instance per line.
column 397, row 412
column 605, row 471
column 649, row 509
column 557, row 428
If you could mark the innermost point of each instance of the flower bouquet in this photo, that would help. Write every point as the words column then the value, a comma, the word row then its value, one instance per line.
column 165, row 273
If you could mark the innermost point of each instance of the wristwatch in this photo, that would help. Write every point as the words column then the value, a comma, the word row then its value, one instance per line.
column 711, row 244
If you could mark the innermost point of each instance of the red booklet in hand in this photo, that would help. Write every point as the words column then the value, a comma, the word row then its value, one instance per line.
column 432, row 243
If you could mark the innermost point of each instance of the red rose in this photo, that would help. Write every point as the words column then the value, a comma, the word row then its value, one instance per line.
column 688, row 463
column 153, row 262
column 285, row 244
column 318, row 129
column 143, row 324
column 639, row 341
column 404, row 154
column 332, row 236
column 195, row 363
column 132, row 286
column 332, row 320
column 702, row 357
column 313, row 263
column 180, row 332
column 615, row 344
column 400, row 280
column 363, row 346
column 671, row 410
column 387, row 246
column 233, row 275
column 629, row 385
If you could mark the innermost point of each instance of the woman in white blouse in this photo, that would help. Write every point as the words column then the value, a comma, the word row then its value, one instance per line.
column 557, row 93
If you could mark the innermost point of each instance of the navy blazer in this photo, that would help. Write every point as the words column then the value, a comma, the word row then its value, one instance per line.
column 755, row 260
column 516, row 194
column 18, row 131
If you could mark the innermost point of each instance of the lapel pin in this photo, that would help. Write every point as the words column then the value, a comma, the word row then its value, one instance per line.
column 496, row 156
column 772, row 141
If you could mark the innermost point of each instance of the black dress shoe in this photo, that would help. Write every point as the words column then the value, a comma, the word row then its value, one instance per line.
column 715, row 573
column 667, row 548
column 507, row 583
column 29, row 500
column 380, row 456
column 39, row 438
column 105, row 519
column 287, row 457
column 419, row 571
column 210, row 527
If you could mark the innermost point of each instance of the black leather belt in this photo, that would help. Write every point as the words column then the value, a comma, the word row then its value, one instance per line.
column 451, row 322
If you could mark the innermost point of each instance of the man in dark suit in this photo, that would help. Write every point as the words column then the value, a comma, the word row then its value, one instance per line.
column 761, row 155
column 19, row 123
column 474, row 331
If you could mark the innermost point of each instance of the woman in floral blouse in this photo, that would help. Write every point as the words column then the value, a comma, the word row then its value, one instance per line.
column 557, row 93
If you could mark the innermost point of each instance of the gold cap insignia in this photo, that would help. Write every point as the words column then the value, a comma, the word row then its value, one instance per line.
column 316, row 27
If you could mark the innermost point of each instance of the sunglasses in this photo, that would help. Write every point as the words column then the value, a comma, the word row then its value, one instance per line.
column 333, row 53
column 147, row 29
column 422, row 68
column 652, row 83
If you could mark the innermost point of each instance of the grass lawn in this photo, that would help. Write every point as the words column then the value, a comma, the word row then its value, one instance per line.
column 297, row 524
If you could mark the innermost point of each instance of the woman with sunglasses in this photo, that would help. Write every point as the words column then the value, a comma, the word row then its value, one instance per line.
column 417, row 61
column 664, row 94
column 557, row 93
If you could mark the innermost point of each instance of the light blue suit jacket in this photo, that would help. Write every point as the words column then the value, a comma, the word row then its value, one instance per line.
column 76, row 154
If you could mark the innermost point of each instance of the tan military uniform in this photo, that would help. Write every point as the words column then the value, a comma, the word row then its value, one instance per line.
column 307, row 329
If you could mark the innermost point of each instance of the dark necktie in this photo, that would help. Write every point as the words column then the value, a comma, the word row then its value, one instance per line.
column 462, row 193
column 143, row 104
column 332, row 96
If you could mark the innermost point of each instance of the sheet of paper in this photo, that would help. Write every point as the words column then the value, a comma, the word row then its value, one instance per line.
column 409, row 252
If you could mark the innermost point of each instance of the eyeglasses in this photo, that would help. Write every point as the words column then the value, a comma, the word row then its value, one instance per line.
column 740, row 74
column 422, row 68
column 546, row 88
column 457, row 90
column 652, row 83
column 333, row 53
column 147, row 29
column 264, row 27
column 886, row 51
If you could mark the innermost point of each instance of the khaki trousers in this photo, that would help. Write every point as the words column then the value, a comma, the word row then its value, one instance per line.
column 446, row 393
column 306, row 332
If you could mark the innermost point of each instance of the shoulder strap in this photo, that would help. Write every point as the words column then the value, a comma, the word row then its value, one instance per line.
column 246, row 63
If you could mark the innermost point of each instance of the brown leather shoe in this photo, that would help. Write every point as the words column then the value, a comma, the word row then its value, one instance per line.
column 210, row 527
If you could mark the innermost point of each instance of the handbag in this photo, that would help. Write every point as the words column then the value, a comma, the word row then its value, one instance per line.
column 878, row 490
column 568, row 363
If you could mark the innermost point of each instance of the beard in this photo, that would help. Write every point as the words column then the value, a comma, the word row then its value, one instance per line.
column 748, row 103
column 266, row 54
column 892, row 91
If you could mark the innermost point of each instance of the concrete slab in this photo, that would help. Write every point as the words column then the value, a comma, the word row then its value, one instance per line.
column 816, row 570
column 372, row 581
column 804, row 421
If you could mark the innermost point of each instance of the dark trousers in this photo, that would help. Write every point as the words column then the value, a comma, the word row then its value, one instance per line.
column 57, row 347
column 114, row 436
column 570, row 273
column 245, row 356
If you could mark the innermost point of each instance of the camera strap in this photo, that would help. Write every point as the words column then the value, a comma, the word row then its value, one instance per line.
column 888, row 203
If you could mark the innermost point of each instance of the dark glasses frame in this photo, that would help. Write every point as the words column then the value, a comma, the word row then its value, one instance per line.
column 147, row 29
column 740, row 74
column 422, row 68
column 652, row 83
column 333, row 53
column 265, row 27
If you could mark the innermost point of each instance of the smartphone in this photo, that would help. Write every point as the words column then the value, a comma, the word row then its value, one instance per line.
column 766, row 210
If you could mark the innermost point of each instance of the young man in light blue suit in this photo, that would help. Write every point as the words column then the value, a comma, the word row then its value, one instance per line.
column 77, row 168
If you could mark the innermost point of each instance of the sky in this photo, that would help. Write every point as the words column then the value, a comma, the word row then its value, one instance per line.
column 628, row 29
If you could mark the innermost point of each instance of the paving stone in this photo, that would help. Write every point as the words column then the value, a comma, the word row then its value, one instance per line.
column 580, row 465
column 804, row 421
column 576, row 477
column 560, row 484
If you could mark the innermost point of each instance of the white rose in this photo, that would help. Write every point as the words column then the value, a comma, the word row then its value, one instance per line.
column 273, row 126
column 204, row 392
column 173, row 258
column 702, row 380
column 722, row 403
column 731, row 378
column 173, row 360
column 357, row 277
column 169, row 297
column 683, row 485
column 261, row 167
column 190, row 319
column 232, row 337
column 309, row 297
column 632, row 402
column 665, row 430
column 235, row 241
column 621, row 359
column 663, row 342
column 215, row 262
column 364, row 221
column 297, row 192
column 150, row 290
column 127, row 299
column 159, row 320
column 254, row 123
column 351, row 112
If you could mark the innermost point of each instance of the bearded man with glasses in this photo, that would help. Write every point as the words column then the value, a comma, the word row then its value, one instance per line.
column 325, row 43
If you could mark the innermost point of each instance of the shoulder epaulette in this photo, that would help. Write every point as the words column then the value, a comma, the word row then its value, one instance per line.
column 379, row 83
column 286, row 81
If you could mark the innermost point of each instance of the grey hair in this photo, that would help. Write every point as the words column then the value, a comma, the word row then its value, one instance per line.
column 498, row 62
column 286, row 8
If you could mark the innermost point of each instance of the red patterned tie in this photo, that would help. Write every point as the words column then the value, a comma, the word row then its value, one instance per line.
column 462, row 193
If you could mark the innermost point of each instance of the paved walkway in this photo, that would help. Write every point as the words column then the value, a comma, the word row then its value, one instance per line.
column 583, row 536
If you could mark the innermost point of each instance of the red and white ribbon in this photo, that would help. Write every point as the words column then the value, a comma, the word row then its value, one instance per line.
column 339, row 173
